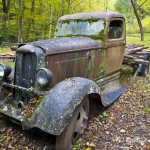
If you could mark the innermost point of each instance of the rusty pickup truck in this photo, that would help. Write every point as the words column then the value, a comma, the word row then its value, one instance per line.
column 53, row 80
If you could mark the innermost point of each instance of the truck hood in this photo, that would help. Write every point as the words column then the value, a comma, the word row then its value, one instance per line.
column 65, row 44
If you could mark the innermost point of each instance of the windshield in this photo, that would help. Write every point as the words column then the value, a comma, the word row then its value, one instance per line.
column 80, row 27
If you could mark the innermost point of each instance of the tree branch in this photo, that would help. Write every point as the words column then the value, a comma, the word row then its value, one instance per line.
column 141, row 4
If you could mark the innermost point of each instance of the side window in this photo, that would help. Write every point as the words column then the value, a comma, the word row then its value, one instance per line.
column 115, row 29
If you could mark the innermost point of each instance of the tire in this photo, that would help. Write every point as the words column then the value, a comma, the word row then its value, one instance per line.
column 145, row 68
column 75, row 127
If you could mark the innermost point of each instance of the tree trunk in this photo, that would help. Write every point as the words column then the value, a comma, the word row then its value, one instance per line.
column 133, row 2
column 20, row 20
column 6, row 5
column 131, row 16
column 68, row 11
column 5, row 37
column 106, row 5
column 51, row 20
column 89, row 5
column 31, row 19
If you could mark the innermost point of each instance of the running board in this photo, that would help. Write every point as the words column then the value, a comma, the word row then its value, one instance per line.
column 112, row 92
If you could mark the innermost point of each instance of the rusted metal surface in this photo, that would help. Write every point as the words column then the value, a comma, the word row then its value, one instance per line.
column 102, row 15
column 114, row 57
column 84, row 64
column 66, row 44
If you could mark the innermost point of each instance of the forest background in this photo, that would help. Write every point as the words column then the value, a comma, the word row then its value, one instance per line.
column 30, row 20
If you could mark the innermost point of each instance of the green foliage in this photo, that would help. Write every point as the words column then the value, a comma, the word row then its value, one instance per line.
column 77, row 145
column 39, row 18
column 2, row 138
column 104, row 115
column 147, row 109
column 146, row 24
column 5, row 49
column 143, row 9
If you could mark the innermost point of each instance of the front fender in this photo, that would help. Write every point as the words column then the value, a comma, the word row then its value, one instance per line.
column 54, row 112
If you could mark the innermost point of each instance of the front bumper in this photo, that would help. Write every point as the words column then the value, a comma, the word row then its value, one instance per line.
column 17, row 111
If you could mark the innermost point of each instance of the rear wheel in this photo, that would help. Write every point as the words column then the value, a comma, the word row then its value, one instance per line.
column 75, row 128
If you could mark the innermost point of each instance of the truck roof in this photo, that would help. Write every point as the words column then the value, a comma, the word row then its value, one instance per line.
column 103, row 15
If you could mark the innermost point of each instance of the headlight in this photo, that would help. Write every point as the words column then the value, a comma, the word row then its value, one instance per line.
column 44, row 76
column 5, row 70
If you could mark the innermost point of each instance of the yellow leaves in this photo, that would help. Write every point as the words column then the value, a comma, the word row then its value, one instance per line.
column 27, row 148
column 88, row 148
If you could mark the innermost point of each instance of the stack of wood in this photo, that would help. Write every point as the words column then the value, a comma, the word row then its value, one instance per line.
column 7, row 57
column 134, row 54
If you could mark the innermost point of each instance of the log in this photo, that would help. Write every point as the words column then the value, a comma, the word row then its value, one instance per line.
column 132, row 45
column 134, row 50
column 141, row 61
column 138, row 56
column 142, row 52
column 146, row 51
column 129, row 56
column 135, row 53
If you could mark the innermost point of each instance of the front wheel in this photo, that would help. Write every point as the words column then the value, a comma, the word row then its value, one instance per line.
column 75, row 127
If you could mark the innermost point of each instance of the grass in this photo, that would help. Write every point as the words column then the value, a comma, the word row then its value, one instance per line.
column 135, row 38
column 9, row 63
column 6, row 50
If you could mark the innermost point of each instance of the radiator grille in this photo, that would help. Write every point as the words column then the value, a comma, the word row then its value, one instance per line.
column 25, row 73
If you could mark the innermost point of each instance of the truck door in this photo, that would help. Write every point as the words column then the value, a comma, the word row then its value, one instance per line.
column 115, row 45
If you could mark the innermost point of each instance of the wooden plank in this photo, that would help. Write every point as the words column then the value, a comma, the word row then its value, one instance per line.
column 134, row 50
column 141, row 61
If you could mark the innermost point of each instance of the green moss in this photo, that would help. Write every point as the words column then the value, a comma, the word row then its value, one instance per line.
column 101, row 35
column 93, row 36
column 65, row 21
column 40, row 99
column 91, row 20
column 28, row 116
column 67, row 35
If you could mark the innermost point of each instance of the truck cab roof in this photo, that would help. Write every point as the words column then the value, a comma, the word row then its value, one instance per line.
column 102, row 15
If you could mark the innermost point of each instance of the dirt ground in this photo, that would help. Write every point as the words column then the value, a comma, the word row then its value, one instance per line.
column 125, row 125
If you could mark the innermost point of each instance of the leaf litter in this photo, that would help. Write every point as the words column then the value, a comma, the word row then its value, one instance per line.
column 125, row 125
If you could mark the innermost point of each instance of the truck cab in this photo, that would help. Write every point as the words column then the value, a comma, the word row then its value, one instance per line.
column 54, row 79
